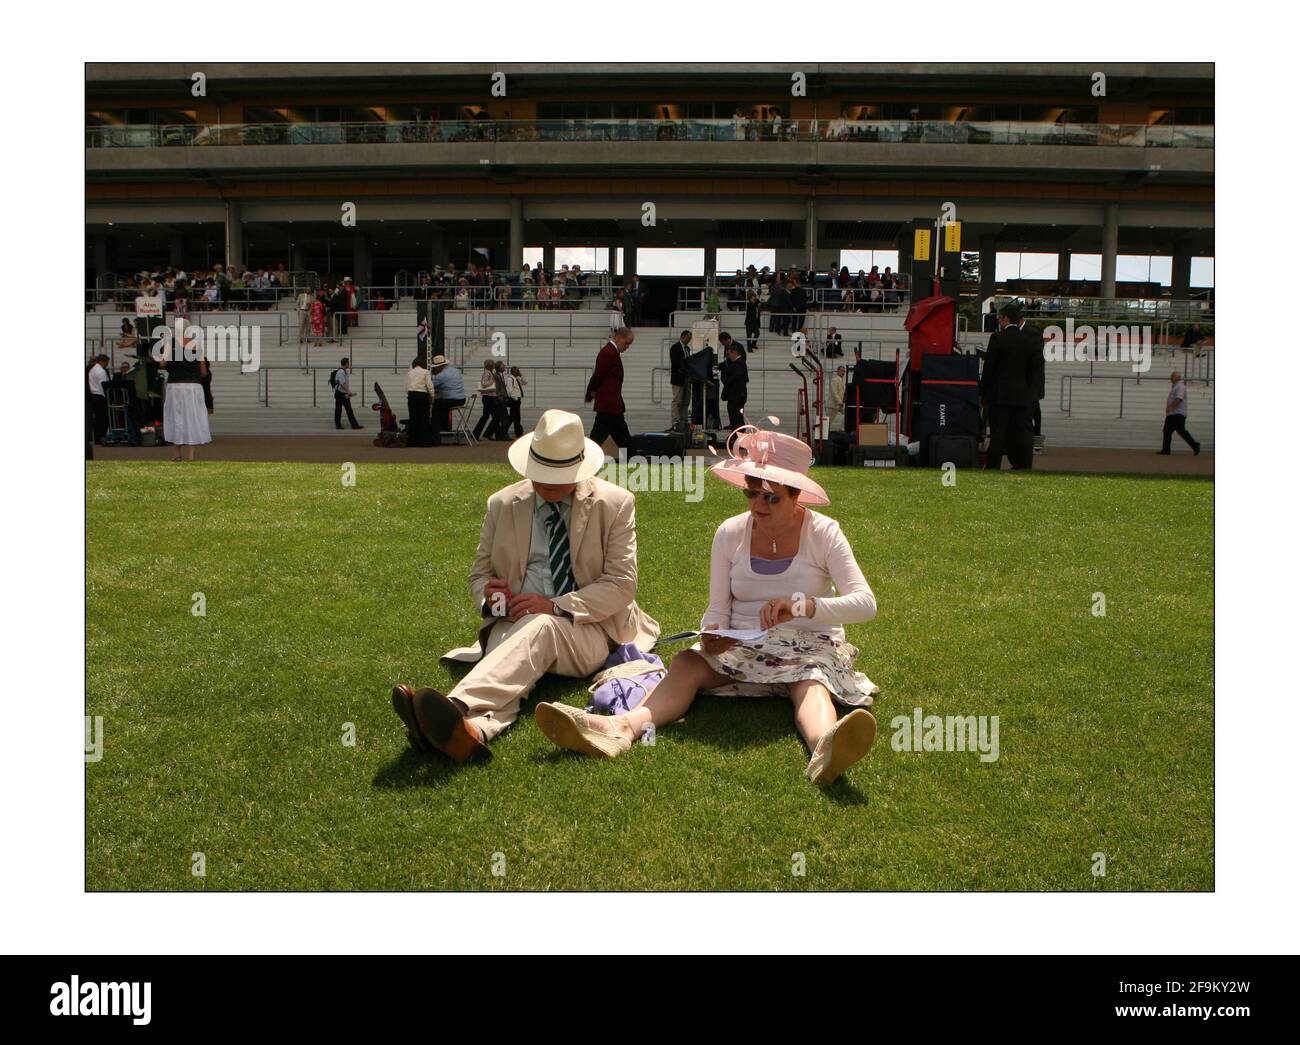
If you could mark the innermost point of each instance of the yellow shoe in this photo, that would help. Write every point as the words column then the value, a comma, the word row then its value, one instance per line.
column 840, row 746
column 570, row 728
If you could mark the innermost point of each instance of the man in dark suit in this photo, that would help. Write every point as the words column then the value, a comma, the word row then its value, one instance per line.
column 605, row 391
column 735, row 381
column 677, row 378
column 1008, row 387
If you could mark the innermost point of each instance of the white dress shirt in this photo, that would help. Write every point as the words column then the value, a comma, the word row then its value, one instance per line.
column 98, row 375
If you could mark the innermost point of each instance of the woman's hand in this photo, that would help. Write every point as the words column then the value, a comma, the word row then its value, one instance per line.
column 778, row 611
column 715, row 645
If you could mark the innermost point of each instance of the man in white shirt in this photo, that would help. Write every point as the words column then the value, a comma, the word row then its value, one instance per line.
column 1176, row 415
column 97, row 400
column 343, row 394
column 419, row 402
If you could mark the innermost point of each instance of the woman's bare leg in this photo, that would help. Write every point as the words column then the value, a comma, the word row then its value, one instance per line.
column 814, row 710
column 688, row 673
column 189, row 452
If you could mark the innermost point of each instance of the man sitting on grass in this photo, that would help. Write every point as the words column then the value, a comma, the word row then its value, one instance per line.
column 555, row 580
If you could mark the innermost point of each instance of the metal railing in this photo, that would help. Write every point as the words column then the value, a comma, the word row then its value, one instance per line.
column 1135, row 310
column 820, row 299
column 1112, row 401
column 733, row 129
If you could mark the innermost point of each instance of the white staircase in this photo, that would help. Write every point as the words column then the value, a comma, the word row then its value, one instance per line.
column 1101, row 405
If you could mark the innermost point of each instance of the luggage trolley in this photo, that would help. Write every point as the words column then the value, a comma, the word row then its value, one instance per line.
column 119, row 416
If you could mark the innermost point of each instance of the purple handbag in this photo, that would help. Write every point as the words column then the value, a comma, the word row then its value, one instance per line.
column 624, row 681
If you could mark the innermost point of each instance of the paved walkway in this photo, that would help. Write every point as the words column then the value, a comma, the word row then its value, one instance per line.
column 333, row 448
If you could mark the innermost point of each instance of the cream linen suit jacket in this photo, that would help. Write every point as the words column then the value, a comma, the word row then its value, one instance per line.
column 602, row 549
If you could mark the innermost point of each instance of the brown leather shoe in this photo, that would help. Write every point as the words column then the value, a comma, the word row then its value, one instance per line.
column 443, row 725
column 402, row 697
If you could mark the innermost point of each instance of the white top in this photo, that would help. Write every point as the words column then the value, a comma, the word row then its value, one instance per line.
column 98, row 375
column 418, row 380
column 823, row 567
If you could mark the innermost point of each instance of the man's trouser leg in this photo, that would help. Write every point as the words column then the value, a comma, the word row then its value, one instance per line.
column 1170, row 425
column 999, row 422
column 517, row 656
column 1178, row 423
column 679, row 406
column 599, row 430
column 1021, row 437
column 338, row 410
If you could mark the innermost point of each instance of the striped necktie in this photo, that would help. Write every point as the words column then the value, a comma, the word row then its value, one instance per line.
column 561, row 566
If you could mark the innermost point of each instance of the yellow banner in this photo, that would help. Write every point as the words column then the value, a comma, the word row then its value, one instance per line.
column 921, row 245
column 952, row 237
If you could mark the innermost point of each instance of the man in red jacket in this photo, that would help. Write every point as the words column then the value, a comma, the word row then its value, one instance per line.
column 605, row 391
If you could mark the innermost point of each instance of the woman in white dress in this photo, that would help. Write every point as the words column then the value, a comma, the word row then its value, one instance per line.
column 185, row 412
column 782, row 568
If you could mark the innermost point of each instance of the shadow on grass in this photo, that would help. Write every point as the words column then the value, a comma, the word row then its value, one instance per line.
column 412, row 769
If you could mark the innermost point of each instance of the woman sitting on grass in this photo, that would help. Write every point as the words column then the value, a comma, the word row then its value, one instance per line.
column 780, row 567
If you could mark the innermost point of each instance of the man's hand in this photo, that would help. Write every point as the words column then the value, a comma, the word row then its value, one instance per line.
column 529, row 602
column 496, row 592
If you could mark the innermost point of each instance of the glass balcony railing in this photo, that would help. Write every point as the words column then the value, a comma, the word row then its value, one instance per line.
column 916, row 132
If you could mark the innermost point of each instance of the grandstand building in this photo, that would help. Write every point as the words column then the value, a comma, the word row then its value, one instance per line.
column 1088, row 196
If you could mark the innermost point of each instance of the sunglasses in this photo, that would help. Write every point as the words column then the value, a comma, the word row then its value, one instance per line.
column 771, row 498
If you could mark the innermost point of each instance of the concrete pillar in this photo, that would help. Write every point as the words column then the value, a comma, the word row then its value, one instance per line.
column 904, row 245
column 1063, row 266
column 362, row 259
column 613, row 260
column 437, row 247
column 176, row 249
column 297, row 258
column 515, row 261
column 101, row 256
column 548, row 257
column 988, row 268
column 710, row 263
column 1109, row 250
column 1180, row 280
column 629, row 256
column 234, row 236
column 810, row 236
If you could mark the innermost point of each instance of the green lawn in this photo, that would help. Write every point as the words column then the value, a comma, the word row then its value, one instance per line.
column 224, row 734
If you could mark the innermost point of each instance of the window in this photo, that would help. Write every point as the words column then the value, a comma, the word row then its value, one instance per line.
column 1143, row 268
column 1025, row 265
column 667, row 261
column 732, row 258
column 1202, row 272
column 1085, row 267
column 854, row 260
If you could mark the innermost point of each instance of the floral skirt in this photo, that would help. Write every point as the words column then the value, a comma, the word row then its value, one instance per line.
column 788, row 655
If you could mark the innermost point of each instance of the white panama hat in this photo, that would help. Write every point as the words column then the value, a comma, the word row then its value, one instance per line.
column 557, row 451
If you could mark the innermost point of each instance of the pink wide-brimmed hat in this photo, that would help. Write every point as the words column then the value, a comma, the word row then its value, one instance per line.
column 754, row 453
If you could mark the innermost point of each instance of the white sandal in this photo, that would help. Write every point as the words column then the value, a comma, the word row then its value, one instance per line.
column 569, row 727
column 840, row 746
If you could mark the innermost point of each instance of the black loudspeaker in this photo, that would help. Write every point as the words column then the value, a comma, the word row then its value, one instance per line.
column 950, row 397
column 873, row 379
column 658, row 444
column 961, row 451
